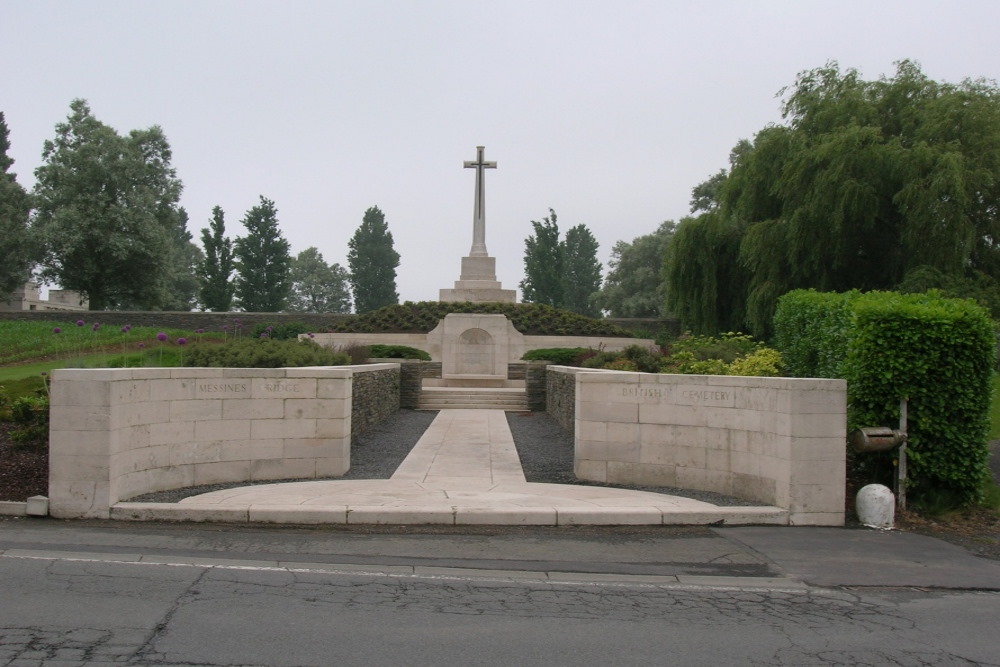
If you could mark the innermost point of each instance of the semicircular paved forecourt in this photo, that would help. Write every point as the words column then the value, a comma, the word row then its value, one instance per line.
column 463, row 471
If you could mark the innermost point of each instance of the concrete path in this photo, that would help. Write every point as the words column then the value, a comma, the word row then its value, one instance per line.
column 463, row 471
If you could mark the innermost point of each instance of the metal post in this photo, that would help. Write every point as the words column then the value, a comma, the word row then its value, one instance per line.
column 901, row 465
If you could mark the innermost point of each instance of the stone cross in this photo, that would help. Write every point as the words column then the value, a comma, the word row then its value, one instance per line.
column 479, row 205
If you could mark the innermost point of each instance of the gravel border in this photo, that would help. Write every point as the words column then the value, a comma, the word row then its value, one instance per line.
column 545, row 450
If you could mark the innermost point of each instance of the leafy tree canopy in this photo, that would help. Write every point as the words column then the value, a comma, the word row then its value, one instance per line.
column 15, row 206
column 318, row 287
column 263, row 261
column 582, row 271
column 635, row 285
column 106, row 207
column 372, row 261
column 864, row 182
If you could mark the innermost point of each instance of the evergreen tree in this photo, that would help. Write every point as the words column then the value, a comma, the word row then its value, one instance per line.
column 262, row 261
column 582, row 271
column 15, row 206
column 318, row 287
column 372, row 262
column 106, row 210
column 543, row 264
column 217, row 267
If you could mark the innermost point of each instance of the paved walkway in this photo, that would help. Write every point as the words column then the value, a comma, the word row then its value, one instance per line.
column 464, row 470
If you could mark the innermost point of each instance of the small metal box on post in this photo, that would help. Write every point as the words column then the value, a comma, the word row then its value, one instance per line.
column 883, row 438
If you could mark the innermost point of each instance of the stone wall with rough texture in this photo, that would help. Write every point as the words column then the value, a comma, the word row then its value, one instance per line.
column 375, row 396
column 560, row 395
column 536, row 384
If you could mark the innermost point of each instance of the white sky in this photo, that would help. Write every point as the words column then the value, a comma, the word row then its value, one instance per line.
column 607, row 112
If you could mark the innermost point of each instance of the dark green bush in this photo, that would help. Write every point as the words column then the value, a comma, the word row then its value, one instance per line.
column 396, row 352
column 562, row 356
column 263, row 353
column 529, row 318
column 30, row 414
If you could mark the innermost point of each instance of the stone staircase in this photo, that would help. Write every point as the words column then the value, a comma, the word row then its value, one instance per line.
column 473, row 398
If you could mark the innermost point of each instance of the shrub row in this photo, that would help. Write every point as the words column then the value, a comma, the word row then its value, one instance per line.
column 528, row 318
column 264, row 353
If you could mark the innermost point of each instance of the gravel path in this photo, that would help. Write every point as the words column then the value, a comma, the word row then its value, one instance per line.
column 545, row 450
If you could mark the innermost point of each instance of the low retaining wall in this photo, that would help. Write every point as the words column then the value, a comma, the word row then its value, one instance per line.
column 118, row 433
column 778, row 441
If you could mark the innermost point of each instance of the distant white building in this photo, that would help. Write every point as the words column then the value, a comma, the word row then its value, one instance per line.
column 29, row 297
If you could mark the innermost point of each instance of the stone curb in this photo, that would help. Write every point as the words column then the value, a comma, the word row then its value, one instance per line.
column 421, row 571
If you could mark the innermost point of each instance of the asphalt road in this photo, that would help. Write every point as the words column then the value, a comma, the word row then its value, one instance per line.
column 94, row 593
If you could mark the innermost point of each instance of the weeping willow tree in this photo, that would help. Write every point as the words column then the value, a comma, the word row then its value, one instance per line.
column 704, row 276
column 865, row 184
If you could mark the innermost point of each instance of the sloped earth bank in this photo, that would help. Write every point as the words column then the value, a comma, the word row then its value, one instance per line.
column 546, row 454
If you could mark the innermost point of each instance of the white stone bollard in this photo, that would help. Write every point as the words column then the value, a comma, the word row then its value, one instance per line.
column 876, row 506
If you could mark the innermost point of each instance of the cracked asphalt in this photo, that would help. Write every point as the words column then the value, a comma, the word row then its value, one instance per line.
column 97, row 593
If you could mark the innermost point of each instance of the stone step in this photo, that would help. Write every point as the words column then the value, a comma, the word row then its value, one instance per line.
column 472, row 399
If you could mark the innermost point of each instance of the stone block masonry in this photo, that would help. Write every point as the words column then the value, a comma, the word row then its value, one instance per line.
column 120, row 433
column 778, row 441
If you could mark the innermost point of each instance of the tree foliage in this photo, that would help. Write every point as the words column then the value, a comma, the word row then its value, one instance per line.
column 182, row 284
column 217, row 288
column 635, row 285
column 15, row 206
column 543, row 264
column 372, row 261
column 106, row 206
column 581, row 271
column 262, row 261
column 865, row 183
column 318, row 287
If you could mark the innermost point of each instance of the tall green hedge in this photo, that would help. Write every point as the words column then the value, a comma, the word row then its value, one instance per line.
column 938, row 353
column 811, row 330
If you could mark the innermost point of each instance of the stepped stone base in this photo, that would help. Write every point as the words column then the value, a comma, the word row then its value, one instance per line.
column 478, row 284
column 473, row 398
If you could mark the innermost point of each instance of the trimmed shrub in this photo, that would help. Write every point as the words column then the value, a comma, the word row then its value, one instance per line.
column 938, row 353
column 30, row 414
column 263, row 353
column 562, row 356
column 529, row 318
column 811, row 331
column 396, row 352
column 765, row 362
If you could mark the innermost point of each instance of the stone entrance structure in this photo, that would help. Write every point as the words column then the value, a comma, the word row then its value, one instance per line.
column 478, row 281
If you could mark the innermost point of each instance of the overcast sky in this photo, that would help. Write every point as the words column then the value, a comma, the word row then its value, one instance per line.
column 607, row 112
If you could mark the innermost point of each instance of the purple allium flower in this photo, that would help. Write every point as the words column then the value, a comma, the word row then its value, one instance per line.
column 269, row 329
column 199, row 331
column 142, row 346
column 161, row 336
column 225, row 327
column 97, row 325
column 310, row 335
column 57, row 330
column 128, row 327
column 182, row 341
column 124, row 329
column 80, row 323
column 263, row 335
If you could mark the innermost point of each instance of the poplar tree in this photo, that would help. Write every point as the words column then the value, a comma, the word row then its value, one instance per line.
column 216, row 271
column 15, row 246
column 543, row 264
column 581, row 271
column 262, row 261
column 372, row 262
